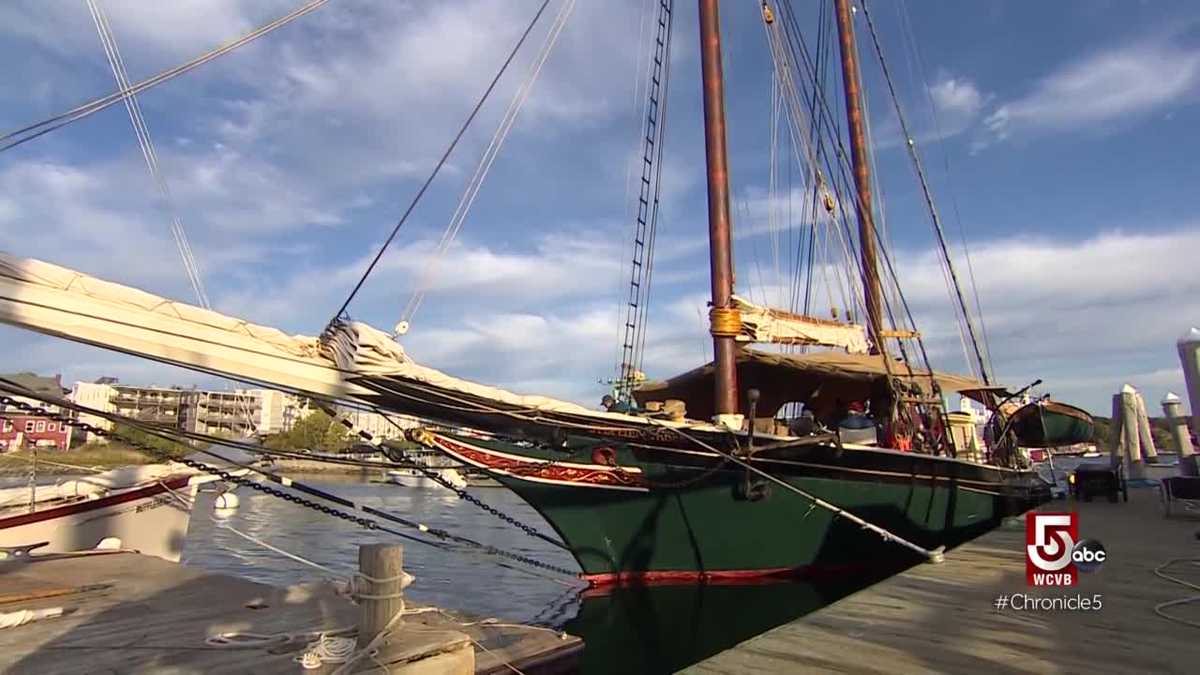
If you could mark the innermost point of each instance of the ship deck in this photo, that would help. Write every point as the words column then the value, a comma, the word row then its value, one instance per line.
column 942, row 618
column 134, row 613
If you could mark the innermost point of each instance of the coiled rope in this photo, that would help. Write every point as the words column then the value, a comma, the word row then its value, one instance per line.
column 1160, row 607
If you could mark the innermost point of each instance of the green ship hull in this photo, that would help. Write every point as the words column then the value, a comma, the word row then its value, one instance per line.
column 635, row 514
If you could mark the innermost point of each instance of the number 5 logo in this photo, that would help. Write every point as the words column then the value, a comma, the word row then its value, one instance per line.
column 1049, row 541
column 1052, row 535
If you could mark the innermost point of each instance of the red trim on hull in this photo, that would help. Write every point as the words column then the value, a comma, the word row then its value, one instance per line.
column 174, row 483
column 718, row 577
column 546, row 470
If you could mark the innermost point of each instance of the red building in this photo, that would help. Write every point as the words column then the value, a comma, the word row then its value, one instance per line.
column 18, row 429
column 23, row 431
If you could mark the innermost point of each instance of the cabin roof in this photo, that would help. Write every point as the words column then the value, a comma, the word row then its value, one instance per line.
column 819, row 378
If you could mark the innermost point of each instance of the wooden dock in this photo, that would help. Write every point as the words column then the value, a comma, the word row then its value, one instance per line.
column 130, row 613
column 941, row 618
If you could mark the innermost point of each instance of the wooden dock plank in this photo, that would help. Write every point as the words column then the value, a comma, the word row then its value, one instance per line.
column 154, row 616
column 940, row 618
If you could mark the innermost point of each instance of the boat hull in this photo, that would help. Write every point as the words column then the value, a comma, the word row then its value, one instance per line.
column 147, row 519
column 649, row 515
column 1051, row 424
column 416, row 479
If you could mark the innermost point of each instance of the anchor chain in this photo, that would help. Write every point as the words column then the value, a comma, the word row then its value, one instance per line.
column 397, row 454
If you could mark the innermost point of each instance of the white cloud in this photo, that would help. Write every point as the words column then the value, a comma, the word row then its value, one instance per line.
column 958, row 97
column 1112, row 304
column 954, row 105
column 1085, row 316
column 1106, row 87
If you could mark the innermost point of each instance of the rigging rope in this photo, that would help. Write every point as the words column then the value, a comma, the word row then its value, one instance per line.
column 786, row 39
column 936, row 555
column 368, row 523
column 653, row 129
column 910, row 144
column 429, row 274
column 142, row 132
column 442, row 161
column 641, row 80
column 27, row 133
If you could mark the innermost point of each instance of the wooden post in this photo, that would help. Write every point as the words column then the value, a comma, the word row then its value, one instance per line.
column 1171, row 405
column 1145, row 436
column 382, row 562
column 1189, row 358
column 1117, row 433
column 1179, row 433
column 1130, row 439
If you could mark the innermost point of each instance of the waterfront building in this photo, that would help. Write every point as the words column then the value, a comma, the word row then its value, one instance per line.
column 19, row 429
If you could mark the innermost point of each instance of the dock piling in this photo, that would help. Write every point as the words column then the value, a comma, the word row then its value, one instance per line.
column 1129, row 438
column 1178, row 424
column 381, row 582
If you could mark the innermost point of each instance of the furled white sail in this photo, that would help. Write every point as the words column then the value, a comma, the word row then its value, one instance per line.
column 58, row 301
column 766, row 325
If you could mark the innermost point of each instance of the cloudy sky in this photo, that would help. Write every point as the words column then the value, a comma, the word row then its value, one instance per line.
column 1060, row 140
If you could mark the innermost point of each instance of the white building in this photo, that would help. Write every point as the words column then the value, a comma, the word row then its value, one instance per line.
column 278, row 411
column 237, row 413
column 98, row 396
column 379, row 425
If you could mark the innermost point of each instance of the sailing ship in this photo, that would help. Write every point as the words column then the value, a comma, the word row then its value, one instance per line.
column 759, row 464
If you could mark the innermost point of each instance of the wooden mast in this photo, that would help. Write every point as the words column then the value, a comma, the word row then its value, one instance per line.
column 873, row 295
column 723, row 318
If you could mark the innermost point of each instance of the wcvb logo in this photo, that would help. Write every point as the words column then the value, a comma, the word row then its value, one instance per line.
column 1049, row 541
column 1054, row 554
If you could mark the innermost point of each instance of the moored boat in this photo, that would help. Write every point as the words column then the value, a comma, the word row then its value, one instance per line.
column 144, row 508
column 418, row 478
column 1050, row 424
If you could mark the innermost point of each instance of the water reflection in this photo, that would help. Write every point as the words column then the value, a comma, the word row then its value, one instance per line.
column 631, row 630
column 452, row 579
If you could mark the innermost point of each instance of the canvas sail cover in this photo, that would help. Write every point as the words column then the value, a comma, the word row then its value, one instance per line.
column 818, row 379
column 766, row 325
column 65, row 303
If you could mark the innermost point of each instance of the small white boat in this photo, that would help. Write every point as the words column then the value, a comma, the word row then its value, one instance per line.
column 143, row 508
column 417, row 478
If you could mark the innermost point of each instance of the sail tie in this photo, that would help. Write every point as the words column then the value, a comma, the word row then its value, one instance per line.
column 725, row 321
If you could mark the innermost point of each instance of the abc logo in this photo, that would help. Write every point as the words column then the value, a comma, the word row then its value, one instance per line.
column 1088, row 555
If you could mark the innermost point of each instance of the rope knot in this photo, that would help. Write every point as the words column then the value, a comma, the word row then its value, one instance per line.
column 725, row 321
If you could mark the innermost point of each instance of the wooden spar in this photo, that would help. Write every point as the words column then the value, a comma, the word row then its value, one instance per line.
column 720, row 250
column 872, row 294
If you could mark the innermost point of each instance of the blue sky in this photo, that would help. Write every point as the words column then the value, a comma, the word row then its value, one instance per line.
column 1063, row 153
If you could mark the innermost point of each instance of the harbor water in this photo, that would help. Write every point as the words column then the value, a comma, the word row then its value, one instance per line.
column 645, row 630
